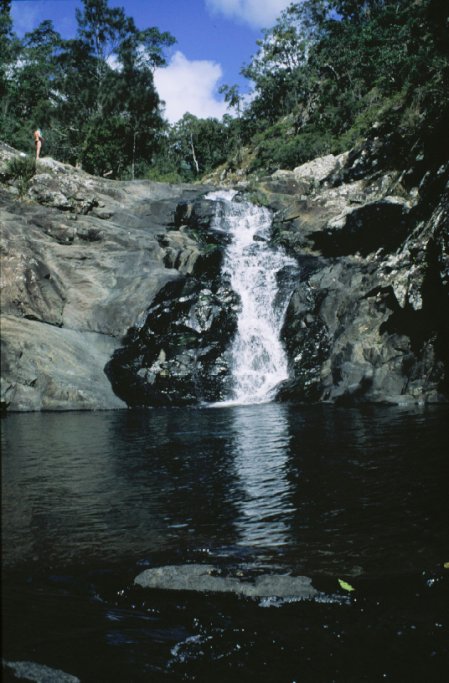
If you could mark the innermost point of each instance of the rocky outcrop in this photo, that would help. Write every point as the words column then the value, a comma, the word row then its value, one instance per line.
column 112, row 293
column 82, row 260
column 369, row 319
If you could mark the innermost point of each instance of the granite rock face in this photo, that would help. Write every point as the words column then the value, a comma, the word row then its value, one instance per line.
column 82, row 259
column 369, row 319
column 112, row 292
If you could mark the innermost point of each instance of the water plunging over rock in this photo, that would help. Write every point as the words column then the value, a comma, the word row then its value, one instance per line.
column 255, row 272
column 86, row 259
column 213, row 335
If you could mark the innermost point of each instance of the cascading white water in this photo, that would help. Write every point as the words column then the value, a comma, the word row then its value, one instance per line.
column 259, row 362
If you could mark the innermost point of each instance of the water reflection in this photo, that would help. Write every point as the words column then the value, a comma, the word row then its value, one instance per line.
column 65, row 498
column 261, row 446
column 334, row 489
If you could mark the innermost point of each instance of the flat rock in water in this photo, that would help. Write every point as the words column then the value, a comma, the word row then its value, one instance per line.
column 30, row 671
column 206, row 578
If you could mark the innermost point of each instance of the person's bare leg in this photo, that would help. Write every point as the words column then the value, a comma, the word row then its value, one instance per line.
column 38, row 149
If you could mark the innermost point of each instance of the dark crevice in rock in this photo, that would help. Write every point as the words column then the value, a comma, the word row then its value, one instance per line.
column 367, row 229
column 428, row 326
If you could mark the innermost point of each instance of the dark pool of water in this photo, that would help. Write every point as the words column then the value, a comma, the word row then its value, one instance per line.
column 89, row 500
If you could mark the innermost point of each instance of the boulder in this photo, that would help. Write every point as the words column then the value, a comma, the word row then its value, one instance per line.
column 206, row 578
column 181, row 353
column 318, row 169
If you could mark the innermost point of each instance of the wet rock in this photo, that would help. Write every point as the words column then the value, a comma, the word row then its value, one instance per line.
column 207, row 578
column 39, row 673
column 180, row 355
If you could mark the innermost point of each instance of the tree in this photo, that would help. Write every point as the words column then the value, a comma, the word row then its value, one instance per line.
column 279, row 70
column 234, row 100
column 116, row 60
column 192, row 147
column 329, row 68
column 9, row 51
column 93, row 95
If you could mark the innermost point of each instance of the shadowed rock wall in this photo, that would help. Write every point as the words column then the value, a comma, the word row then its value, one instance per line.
column 369, row 319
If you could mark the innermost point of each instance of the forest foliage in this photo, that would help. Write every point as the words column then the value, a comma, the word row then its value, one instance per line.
column 322, row 76
column 93, row 96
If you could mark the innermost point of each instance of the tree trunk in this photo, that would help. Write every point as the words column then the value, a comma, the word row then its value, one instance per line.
column 133, row 164
column 195, row 160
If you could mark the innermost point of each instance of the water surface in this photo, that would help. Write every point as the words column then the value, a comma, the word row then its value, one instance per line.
column 91, row 499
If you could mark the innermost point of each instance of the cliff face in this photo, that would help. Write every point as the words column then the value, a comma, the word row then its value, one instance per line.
column 125, row 275
column 369, row 319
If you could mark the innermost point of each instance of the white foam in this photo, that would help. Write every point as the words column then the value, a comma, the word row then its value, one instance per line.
column 259, row 361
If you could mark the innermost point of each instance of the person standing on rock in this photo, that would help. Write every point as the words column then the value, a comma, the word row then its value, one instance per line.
column 38, row 140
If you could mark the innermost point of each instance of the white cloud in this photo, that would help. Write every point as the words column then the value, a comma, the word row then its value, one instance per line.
column 257, row 13
column 189, row 86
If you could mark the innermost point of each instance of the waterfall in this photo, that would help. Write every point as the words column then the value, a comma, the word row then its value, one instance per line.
column 252, row 267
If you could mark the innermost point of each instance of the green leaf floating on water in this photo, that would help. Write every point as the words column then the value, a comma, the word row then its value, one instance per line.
column 346, row 586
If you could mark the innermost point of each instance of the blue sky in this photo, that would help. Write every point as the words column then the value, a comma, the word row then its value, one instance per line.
column 214, row 39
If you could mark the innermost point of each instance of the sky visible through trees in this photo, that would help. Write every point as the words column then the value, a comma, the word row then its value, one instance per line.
column 321, row 77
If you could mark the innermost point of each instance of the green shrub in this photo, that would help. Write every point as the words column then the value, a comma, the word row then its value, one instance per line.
column 171, row 177
column 277, row 151
column 20, row 170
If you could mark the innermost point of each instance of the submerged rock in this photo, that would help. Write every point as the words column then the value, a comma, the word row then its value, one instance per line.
column 207, row 578
column 39, row 673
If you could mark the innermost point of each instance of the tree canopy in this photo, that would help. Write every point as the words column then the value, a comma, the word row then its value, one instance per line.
column 329, row 69
column 321, row 77
column 93, row 95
